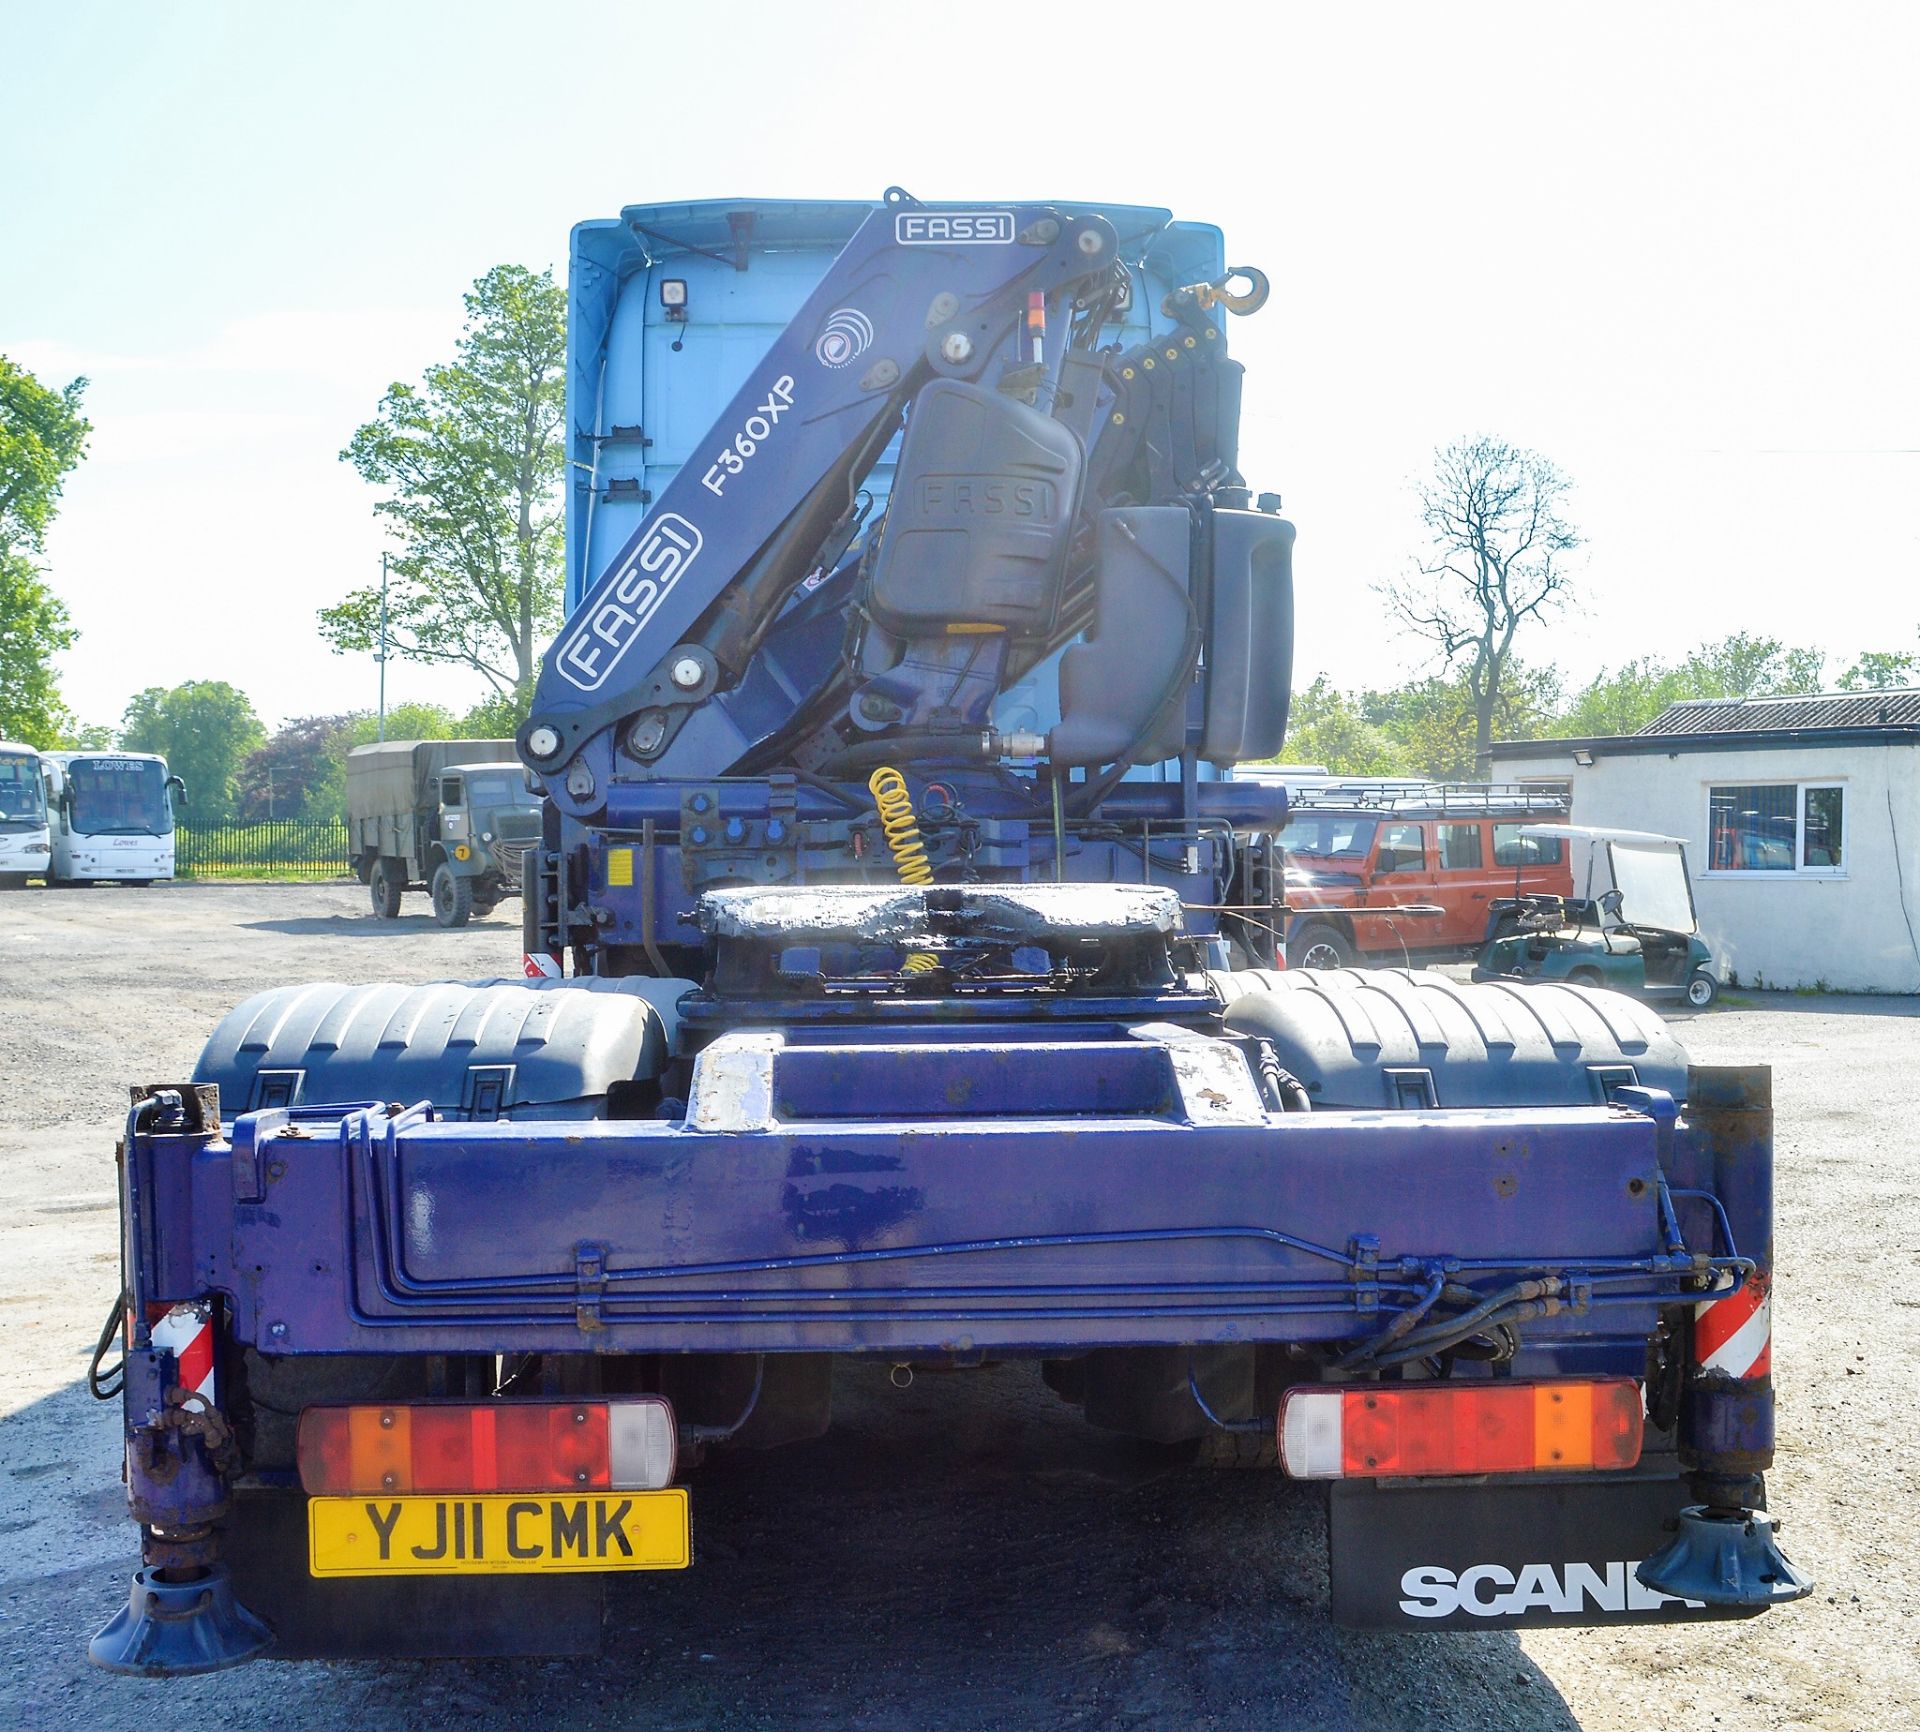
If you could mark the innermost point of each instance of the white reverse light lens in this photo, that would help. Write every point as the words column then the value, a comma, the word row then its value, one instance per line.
column 642, row 1443
column 673, row 292
column 1310, row 1434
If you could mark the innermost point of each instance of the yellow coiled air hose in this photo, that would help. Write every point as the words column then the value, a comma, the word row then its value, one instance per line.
column 893, row 800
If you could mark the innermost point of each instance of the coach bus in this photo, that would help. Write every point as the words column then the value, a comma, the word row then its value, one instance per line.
column 111, row 816
column 23, row 815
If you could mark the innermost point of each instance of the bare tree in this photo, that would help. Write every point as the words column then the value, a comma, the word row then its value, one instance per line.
column 1498, row 558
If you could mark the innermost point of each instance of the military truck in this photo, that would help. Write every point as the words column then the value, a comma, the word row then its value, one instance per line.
column 450, row 817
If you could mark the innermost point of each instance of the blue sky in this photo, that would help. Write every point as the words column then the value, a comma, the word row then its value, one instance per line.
column 1671, row 247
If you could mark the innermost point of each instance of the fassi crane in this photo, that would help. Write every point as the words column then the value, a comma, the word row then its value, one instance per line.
column 756, row 651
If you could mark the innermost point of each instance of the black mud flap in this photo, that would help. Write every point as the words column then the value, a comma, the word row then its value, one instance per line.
column 1502, row 1556
column 264, row 1543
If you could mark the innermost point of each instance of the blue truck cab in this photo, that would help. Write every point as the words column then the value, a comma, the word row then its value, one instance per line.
column 670, row 308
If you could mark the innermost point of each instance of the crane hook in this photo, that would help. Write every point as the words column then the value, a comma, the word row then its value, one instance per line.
column 1207, row 296
column 1248, row 300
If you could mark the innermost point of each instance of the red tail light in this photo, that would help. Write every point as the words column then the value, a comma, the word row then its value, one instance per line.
column 620, row 1445
column 1373, row 1431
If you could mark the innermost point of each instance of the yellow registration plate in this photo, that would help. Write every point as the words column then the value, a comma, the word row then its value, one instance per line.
column 464, row 1536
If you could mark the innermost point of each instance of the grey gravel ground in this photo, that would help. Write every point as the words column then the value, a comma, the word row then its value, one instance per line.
column 965, row 1553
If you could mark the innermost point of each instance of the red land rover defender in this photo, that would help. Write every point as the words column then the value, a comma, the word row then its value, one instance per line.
column 1398, row 876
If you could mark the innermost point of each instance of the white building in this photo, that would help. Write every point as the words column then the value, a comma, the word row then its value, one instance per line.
column 1801, row 818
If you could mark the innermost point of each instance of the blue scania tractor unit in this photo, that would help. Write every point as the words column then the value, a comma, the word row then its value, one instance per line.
column 900, row 981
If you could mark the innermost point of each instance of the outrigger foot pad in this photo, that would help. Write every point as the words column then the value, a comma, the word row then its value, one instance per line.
column 1725, row 1558
column 174, row 1629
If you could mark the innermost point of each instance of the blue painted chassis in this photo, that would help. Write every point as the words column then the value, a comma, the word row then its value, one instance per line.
column 331, row 1230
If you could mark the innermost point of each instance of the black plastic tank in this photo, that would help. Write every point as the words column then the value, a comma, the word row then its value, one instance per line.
column 982, row 509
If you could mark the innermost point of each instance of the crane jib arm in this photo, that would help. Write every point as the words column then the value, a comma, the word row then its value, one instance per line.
column 919, row 292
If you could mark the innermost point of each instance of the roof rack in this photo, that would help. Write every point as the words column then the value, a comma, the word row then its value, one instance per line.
column 1421, row 799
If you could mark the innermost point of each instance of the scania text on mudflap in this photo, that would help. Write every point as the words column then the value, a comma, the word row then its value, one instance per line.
column 897, row 983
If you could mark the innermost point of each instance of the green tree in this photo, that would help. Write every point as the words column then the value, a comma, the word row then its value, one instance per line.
column 1623, row 701
column 281, row 777
column 1434, row 723
column 1743, row 665
column 205, row 729
column 471, row 463
column 33, row 630
column 43, row 436
column 327, row 796
column 405, row 722
column 1878, row 670
column 1326, row 726
column 497, row 717
column 1497, row 561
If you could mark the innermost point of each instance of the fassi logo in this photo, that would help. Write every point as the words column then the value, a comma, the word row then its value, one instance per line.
column 1494, row 1591
column 847, row 335
column 617, row 615
column 969, row 228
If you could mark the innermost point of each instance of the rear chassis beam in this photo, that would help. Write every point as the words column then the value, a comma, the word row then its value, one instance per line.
column 1184, row 1220
column 365, row 1231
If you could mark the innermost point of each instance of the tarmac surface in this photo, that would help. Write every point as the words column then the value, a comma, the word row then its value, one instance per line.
column 964, row 1553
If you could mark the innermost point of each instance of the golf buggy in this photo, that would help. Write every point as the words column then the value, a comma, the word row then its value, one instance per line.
column 1632, row 927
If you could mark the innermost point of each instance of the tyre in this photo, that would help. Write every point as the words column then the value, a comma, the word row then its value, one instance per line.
column 452, row 897
column 384, row 885
column 1246, row 1451
column 1702, row 989
column 1319, row 947
column 1585, row 977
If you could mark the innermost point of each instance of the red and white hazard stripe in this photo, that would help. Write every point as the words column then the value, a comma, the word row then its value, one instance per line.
column 187, row 1333
column 1735, row 1334
column 540, row 966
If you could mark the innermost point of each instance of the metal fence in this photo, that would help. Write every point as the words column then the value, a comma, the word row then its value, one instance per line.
column 280, row 848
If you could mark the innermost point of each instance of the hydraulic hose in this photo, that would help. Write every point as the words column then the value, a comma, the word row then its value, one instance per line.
column 893, row 800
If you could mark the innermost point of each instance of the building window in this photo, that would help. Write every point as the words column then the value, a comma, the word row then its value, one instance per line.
column 1822, row 811
column 1790, row 827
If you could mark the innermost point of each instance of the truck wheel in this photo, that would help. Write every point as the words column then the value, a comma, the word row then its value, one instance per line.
column 1319, row 947
column 384, row 885
column 1702, row 989
column 1242, row 1450
column 452, row 897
